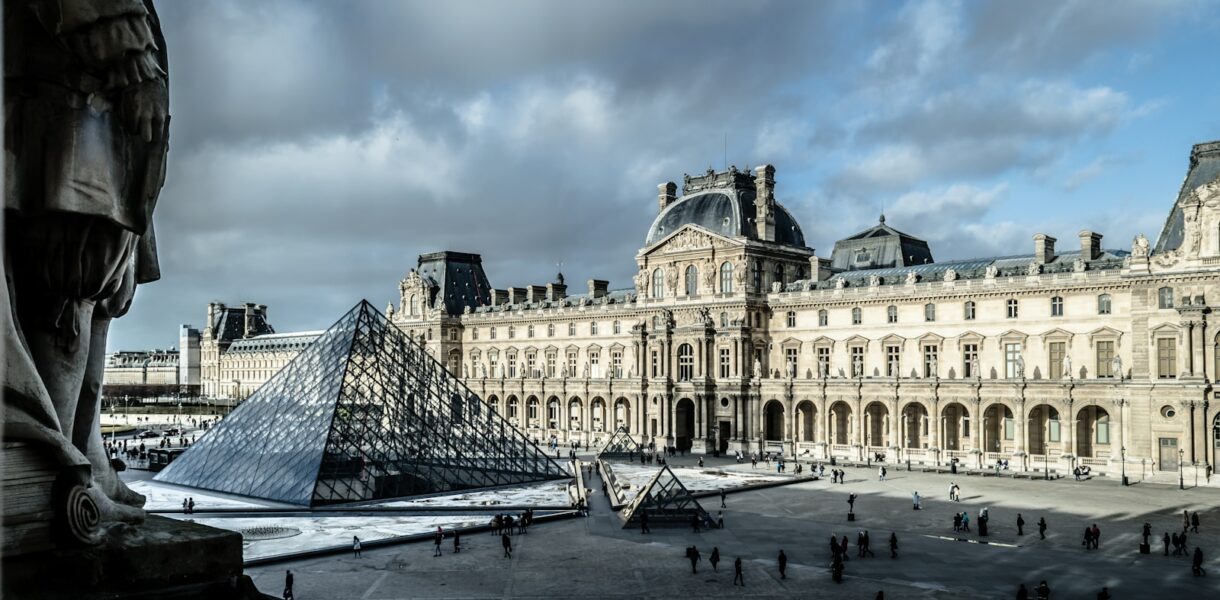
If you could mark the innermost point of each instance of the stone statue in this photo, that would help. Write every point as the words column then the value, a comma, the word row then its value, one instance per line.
column 739, row 272
column 1117, row 365
column 757, row 369
column 912, row 277
column 1078, row 265
column 874, row 280
column 389, row 310
column 585, row 371
column 950, row 275
column 776, row 287
column 840, row 283
column 86, row 134
column 975, row 368
column 671, row 279
column 1067, row 367
column 1020, row 366
column 465, row 371
column 992, row 271
column 641, row 282
column 709, row 276
column 1139, row 246
column 705, row 317
column 563, row 372
column 1033, row 268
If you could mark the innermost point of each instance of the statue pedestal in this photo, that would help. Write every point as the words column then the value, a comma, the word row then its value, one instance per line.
column 162, row 558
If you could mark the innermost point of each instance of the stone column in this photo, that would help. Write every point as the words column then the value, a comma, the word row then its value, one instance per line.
column 976, row 422
column 1190, row 348
column 698, row 433
column 1021, row 439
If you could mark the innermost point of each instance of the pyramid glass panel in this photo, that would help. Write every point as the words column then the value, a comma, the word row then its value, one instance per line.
column 665, row 500
column 363, row 414
column 621, row 445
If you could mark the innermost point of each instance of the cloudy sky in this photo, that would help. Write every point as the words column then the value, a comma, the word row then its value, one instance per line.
column 318, row 147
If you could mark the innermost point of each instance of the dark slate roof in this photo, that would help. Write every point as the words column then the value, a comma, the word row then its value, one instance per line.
column 879, row 246
column 457, row 280
column 1204, row 168
column 624, row 296
column 725, row 211
column 231, row 324
column 276, row 342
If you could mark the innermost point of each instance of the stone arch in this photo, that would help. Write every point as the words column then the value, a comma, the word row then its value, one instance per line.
column 512, row 409
column 576, row 411
column 806, row 421
column 773, row 421
column 1044, row 431
column 684, row 423
column 998, row 426
column 597, row 414
column 914, row 422
column 493, row 404
column 876, row 424
column 552, row 413
column 840, row 423
column 533, row 411
column 955, row 426
column 1093, row 433
column 622, row 413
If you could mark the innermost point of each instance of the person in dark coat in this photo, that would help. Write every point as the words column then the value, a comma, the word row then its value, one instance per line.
column 1042, row 527
column 834, row 546
column 1020, row 524
column 1043, row 591
column 1022, row 593
column 694, row 523
column 843, row 548
column 694, row 556
column 507, row 542
column 715, row 557
column 783, row 564
column 1196, row 565
column 644, row 522
column 457, row 542
column 893, row 545
column 1165, row 540
column 1104, row 594
column 1096, row 535
column 1194, row 522
column 836, row 568
column 437, row 538
column 288, row 586
column 1147, row 533
column 737, row 574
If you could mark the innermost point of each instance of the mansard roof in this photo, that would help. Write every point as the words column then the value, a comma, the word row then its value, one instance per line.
column 879, row 246
column 457, row 278
column 722, row 203
column 1204, row 168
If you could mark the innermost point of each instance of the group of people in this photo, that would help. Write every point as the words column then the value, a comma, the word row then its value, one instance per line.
column 1081, row 472
column 503, row 524
column 188, row 505
column 837, row 476
column 1092, row 537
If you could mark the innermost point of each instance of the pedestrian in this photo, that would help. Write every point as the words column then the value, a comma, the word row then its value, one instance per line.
column 722, row 504
column 720, row 519
column 694, row 559
column 288, row 586
column 880, row 473
column 1020, row 524
column 1088, row 538
column 1104, row 594
column 457, row 542
column 737, row 574
column 715, row 557
column 868, row 543
column 1177, row 545
column 859, row 544
column 1182, row 544
column 1165, row 540
column 834, row 546
column 700, row 462
column 1096, row 536
column 957, row 521
column 1194, row 522
column 437, row 538
column 1185, row 521
column 507, row 542
column 843, row 548
column 965, row 522
column 1022, row 593
column 185, row 509
column 1042, row 527
column 783, row 564
column 915, row 501
column 836, row 568
column 842, row 476
column 190, row 505
column 1044, row 591
column 952, row 486
column 356, row 546
column 644, row 522
column 851, row 503
column 1196, row 566
column 694, row 523
column 893, row 545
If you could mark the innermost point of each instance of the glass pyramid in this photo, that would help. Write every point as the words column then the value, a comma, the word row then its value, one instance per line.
column 621, row 445
column 363, row 413
column 665, row 500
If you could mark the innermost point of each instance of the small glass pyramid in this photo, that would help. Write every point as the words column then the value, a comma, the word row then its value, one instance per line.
column 665, row 500
column 363, row 413
column 621, row 445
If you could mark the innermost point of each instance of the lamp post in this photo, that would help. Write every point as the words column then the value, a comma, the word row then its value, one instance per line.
column 1181, row 480
column 1046, row 460
column 1123, row 452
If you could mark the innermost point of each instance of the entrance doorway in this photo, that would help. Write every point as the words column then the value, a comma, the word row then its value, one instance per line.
column 1169, row 454
column 723, row 438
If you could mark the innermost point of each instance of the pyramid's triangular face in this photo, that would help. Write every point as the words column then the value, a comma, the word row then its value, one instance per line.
column 665, row 499
column 621, row 445
column 362, row 414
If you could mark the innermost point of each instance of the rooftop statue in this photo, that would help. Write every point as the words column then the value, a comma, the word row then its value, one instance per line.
column 86, row 110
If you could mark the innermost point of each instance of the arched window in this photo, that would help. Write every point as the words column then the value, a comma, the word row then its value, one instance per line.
column 550, row 330
column 1164, row 297
column 891, row 314
column 1103, row 304
column 686, row 362
column 593, row 328
column 414, row 304
column 856, row 318
column 529, row 331
column 692, row 280
column 618, row 328
column 792, row 318
column 968, row 310
column 823, row 318
column 929, row 312
column 1057, row 306
column 726, row 277
column 724, row 319
column 1012, row 308
column 658, row 283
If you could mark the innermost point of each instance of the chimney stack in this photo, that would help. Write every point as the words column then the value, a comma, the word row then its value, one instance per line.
column 248, row 322
column 764, row 202
column 667, row 193
column 1044, row 248
column 598, row 288
column 1090, row 245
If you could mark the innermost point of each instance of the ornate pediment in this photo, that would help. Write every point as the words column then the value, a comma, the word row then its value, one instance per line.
column 687, row 239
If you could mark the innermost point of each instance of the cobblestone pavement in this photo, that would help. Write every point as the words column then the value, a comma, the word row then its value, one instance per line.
column 595, row 558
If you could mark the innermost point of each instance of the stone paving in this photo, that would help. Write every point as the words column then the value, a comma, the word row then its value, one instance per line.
column 595, row 558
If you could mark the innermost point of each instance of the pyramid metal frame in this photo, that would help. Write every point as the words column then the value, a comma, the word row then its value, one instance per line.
column 364, row 413
column 665, row 500
column 621, row 445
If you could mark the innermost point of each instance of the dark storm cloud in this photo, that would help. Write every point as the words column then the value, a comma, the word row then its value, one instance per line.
column 319, row 147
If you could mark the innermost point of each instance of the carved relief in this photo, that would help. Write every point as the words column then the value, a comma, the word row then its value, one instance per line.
column 992, row 271
column 912, row 277
column 1139, row 246
column 950, row 275
column 1033, row 268
column 690, row 239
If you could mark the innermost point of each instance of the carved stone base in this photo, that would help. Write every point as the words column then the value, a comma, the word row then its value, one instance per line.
column 162, row 558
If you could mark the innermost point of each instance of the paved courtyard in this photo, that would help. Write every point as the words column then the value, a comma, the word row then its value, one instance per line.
column 594, row 558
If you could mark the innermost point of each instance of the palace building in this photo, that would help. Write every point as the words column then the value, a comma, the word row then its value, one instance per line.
column 737, row 336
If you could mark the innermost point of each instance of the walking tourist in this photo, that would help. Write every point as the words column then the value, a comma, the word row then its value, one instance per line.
column 1022, row 593
column 957, row 521
column 1042, row 527
column 915, row 501
column 867, row 543
column 783, row 564
column 893, row 545
column 836, row 568
column 1165, row 540
column 437, row 538
column 1020, row 524
column 457, row 542
column 737, row 574
column 1194, row 522
column 715, row 558
column 288, row 586
column 693, row 555
column 1096, row 535
column 507, row 542
column 644, row 522
column 1196, row 566
column 356, row 546
column 1043, row 590
column 720, row 519
column 722, row 495
column 843, row 547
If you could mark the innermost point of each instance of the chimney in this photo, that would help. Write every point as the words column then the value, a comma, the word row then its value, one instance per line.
column 598, row 288
column 1090, row 245
column 499, row 297
column 1044, row 248
column 556, row 291
column 516, row 295
column 248, row 323
column 535, row 293
column 667, row 193
column 764, row 202
column 210, row 324
column 819, row 268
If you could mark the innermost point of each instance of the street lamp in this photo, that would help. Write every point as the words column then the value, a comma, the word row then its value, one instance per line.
column 1123, row 452
column 1181, row 480
column 1046, row 460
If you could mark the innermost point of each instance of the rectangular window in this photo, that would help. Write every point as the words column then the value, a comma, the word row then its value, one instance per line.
column 656, row 361
column 491, row 364
column 929, row 312
column 1166, row 358
column 594, row 358
column 970, row 356
column 1009, row 428
column 790, row 362
column 1057, row 306
column 474, row 333
column 823, row 318
column 930, row 360
column 571, row 329
column 616, row 362
column 823, row 361
column 1012, row 357
column 725, row 363
column 969, row 311
column 493, row 333
column 1053, row 426
column 593, row 328
column 1105, row 359
column 1103, row 432
column 1012, row 308
column 571, row 364
column 857, row 361
column 791, row 318
column 512, row 365
column 530, row 362
column 892, row 361
column 550, row 365
column 1056, row 358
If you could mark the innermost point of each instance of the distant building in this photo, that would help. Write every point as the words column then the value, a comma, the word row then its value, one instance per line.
column 144, row 374
column 239, row 350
